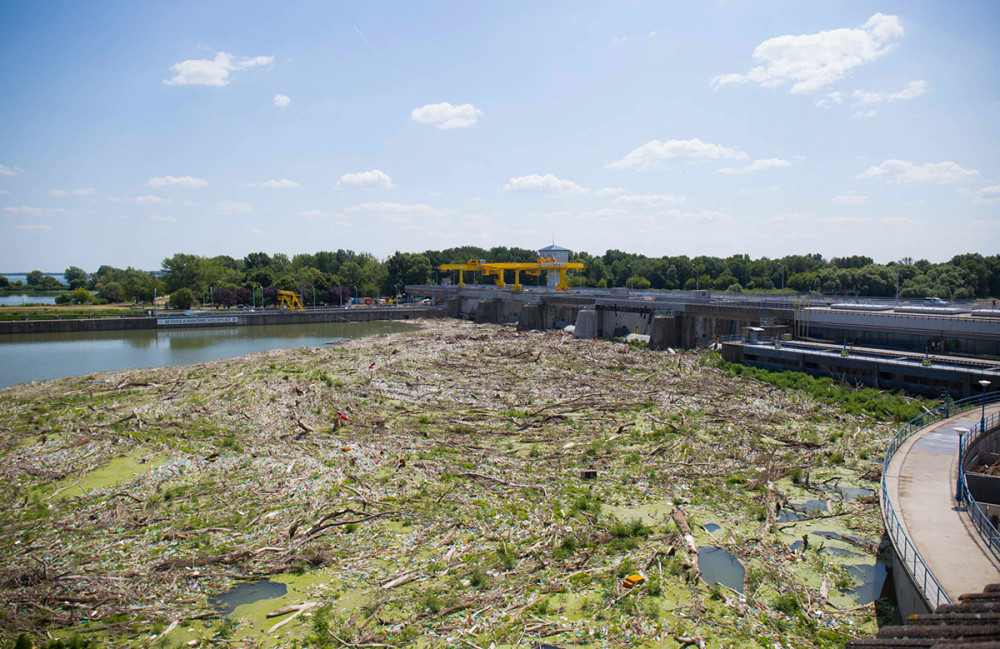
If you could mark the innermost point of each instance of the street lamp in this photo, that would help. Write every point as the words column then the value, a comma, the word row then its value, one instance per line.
column 396, row 288
column 982, row 422
column 211, row 294
column 630, row 276
column 314, row 298
column 355, row 294
column 959, row 490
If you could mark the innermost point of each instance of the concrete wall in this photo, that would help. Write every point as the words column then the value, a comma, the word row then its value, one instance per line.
column 908, row 597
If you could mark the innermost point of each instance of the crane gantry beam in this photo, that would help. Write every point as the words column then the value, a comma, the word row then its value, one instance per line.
column 496, row 269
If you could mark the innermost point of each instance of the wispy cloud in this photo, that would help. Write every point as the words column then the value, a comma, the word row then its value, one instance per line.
column 282, row 100
column 648, row 200
column 653, row 153
column 161, row 219
column 547, row 184
column 756, row 165
column 913, row 90
column 34, row 227
column 182, row 181
column 34, row 211
column 903, row 172
column 233, row 208
column 10, row 171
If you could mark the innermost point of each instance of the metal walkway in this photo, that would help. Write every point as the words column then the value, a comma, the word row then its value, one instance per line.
column 920, row 483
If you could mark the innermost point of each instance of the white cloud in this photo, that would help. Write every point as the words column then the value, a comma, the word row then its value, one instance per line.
column 648, row 200
column 547, row 184
column 76, row 192
column 4, row 191
column 394, row 209
column 10, row 171
column 989, row 194
column 212, row 72
column 315, row 214
column 233, row 208
column 756, row 165
column 444, row 115
column 282, row 100
column 903, row 172
column 150, row 199
column 34, row 211
column 651, row 153
column 849, row 219
column 284, row 183
column 365, row 179
column 849, row 199
column 705, row 216
column 610, row 191
column 40, row 228
column 913, row 90
column 865, row 114
column 183, row 181
column 811, row 61
column 831, row 98
column 896, row 220
column 161, row 219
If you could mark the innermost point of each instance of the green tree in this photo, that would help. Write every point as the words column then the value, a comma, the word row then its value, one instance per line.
column 111, row 292
column 405, row 268
column 182, row 298
column 81, row 295
column 34, row 278
column 50, row 283
column 4, row 282
column 75, row 277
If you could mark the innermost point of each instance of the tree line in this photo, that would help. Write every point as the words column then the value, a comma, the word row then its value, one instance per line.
column 333, row 278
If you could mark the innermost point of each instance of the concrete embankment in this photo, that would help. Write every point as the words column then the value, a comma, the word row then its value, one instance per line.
column 240, row 318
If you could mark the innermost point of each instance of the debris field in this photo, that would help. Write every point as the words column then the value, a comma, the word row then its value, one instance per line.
column 457, row 485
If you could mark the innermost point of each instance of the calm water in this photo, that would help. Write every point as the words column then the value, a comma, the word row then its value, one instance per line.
column 18, row 300
column 34, row 357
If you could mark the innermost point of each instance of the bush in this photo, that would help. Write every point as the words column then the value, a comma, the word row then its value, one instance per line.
column 887, row 406
column 182, row 298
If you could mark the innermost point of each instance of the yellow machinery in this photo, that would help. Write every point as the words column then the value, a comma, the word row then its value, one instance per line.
column 289, row 300
column 495, row 270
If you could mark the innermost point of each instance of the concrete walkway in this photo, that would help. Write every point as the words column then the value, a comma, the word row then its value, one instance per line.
column 921, row 480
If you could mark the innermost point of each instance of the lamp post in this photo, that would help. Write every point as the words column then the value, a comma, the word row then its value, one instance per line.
column 314, row 298
column 261, row 296
column 630, row 276
column 355, row 294
column 959, row 490
column 396, row 288
column 982, row 422
column 211, row 294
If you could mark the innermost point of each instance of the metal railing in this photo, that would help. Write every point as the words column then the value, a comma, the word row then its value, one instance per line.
column 987, row 532
column 922, row 577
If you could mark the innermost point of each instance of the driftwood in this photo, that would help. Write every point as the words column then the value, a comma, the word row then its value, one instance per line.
column 690, row 547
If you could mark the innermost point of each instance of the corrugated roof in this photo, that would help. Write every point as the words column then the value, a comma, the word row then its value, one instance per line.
column 972, row 622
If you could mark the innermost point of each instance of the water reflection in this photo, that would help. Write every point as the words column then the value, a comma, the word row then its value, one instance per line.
column 34, row 357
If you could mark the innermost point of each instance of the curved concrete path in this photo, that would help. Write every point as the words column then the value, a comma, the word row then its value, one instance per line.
column 921, row 480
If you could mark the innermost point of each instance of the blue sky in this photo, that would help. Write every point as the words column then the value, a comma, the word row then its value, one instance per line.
column 132, row 131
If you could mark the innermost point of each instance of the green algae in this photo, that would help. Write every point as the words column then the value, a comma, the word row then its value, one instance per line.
column 120, row 470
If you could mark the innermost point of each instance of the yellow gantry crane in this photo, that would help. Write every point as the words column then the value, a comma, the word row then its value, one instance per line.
column 290, row 300
column 532, row 269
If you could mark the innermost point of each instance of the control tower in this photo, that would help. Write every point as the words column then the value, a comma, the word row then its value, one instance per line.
column 557, row 253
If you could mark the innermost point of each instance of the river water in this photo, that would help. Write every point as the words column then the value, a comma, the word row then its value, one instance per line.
column 34, row 357
column 22, row 298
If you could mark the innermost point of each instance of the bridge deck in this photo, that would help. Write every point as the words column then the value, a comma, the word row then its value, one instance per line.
column 921, row 480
